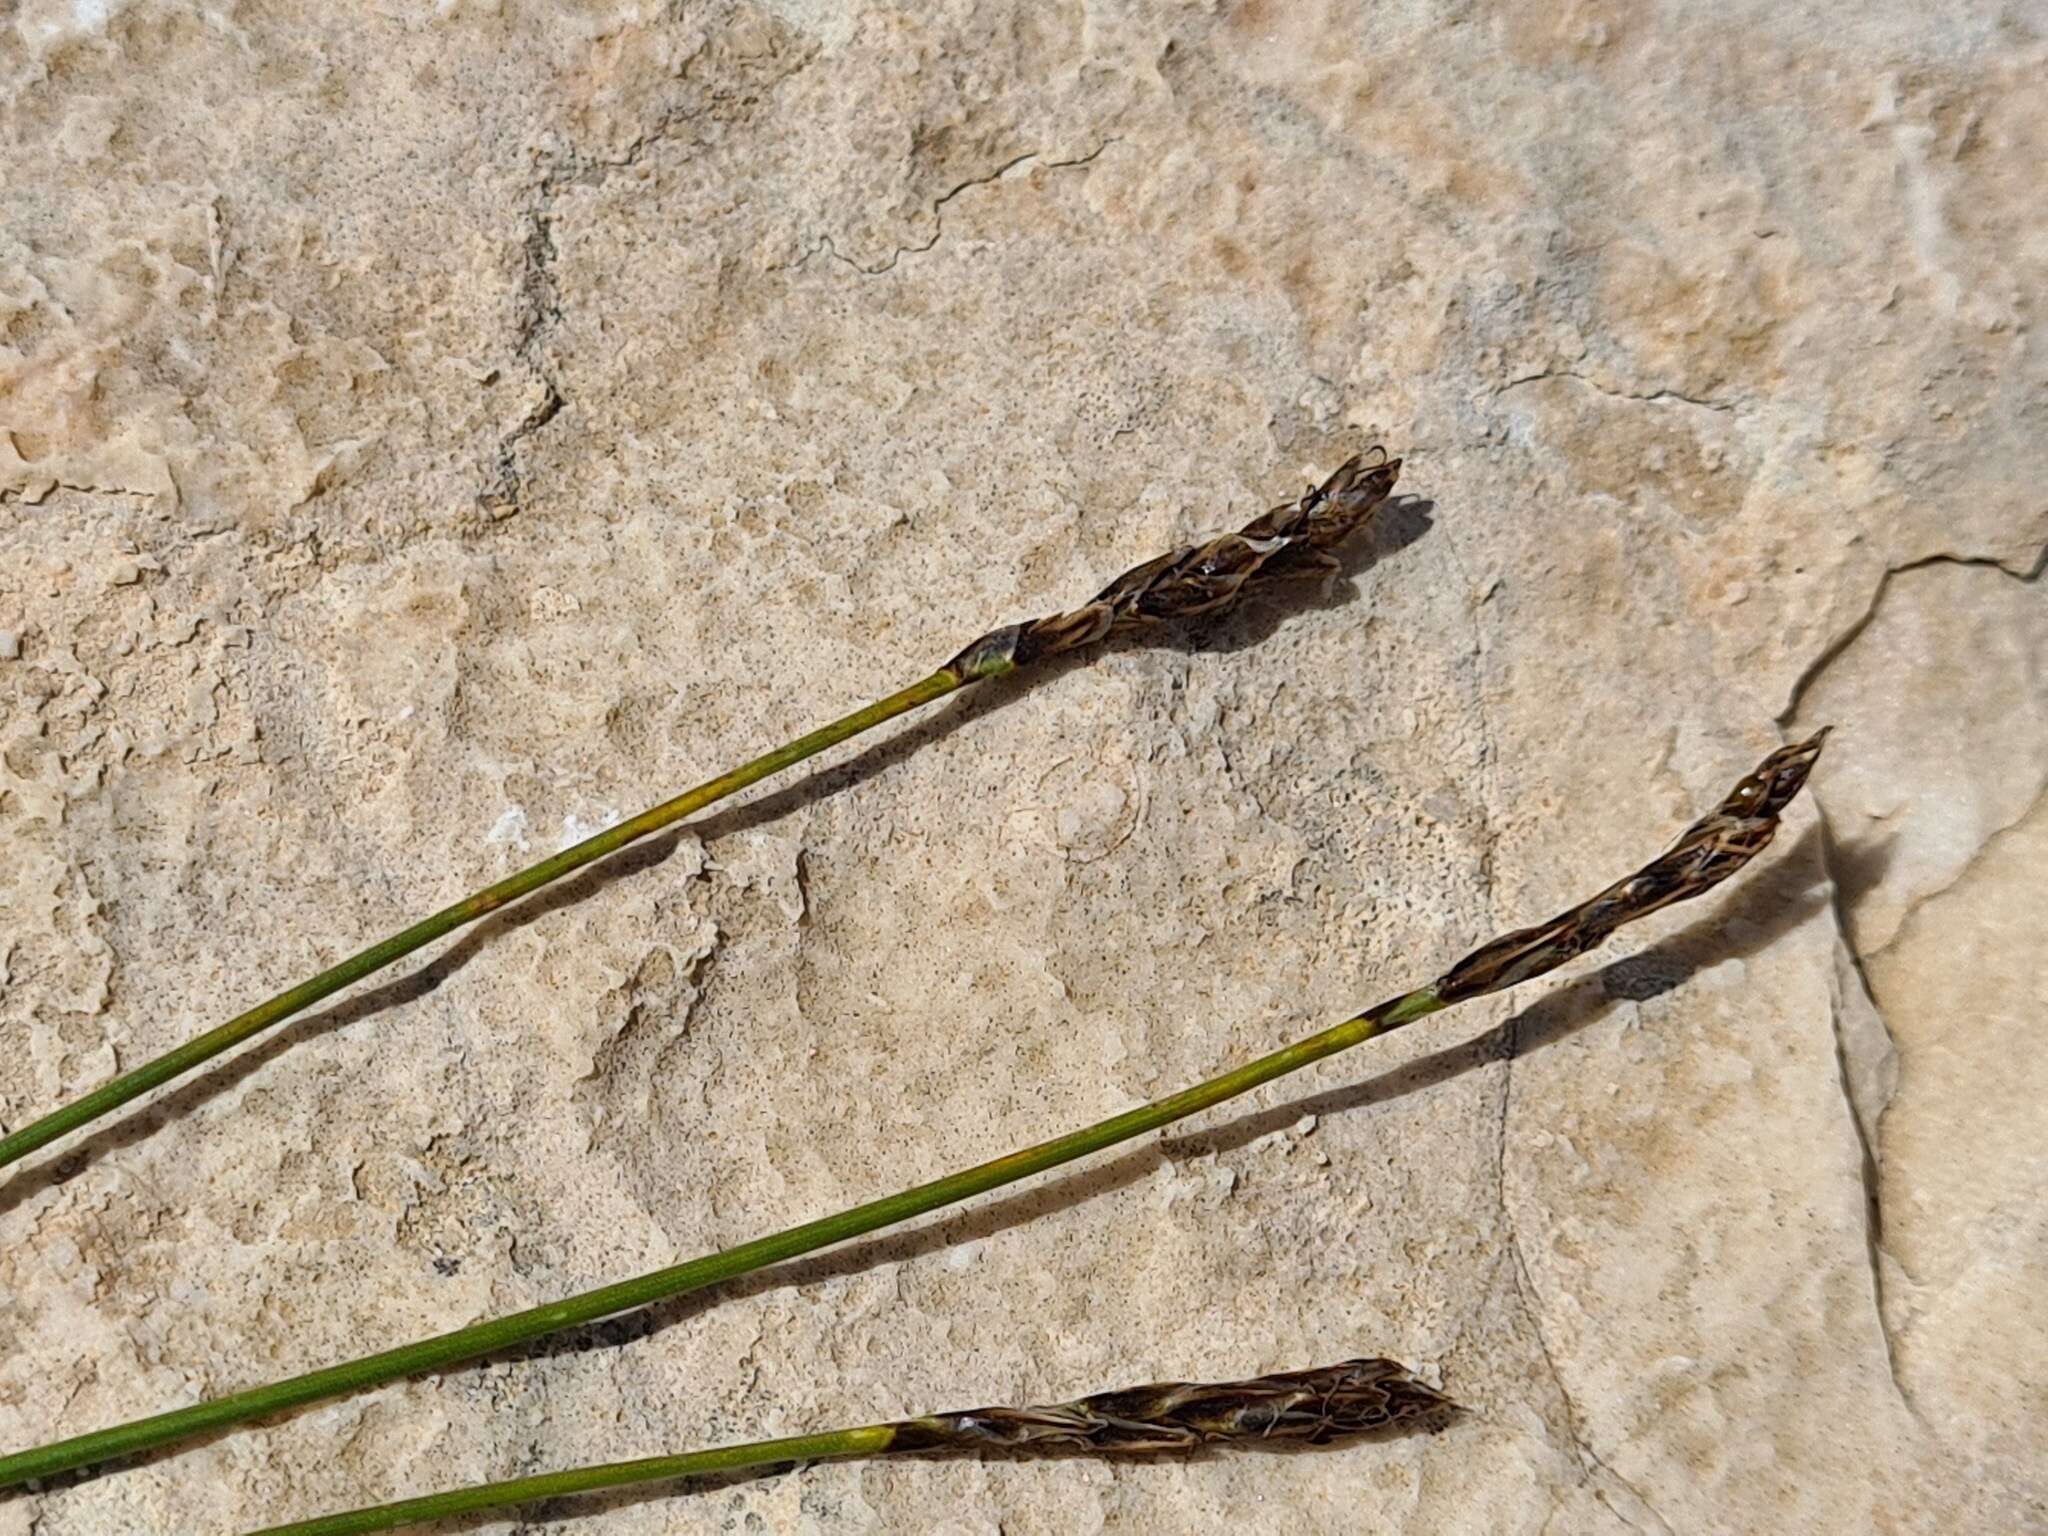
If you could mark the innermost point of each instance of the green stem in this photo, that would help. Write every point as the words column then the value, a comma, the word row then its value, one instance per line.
column 1322, row 1405
column 869, row 1441
column 449, row 1349
column 1706, row 853
column 1204, row 578
column 202, row 1048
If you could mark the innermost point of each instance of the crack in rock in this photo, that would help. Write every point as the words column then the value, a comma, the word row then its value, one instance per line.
column 541, row 311
column 1832, row 651
column 540, row 297
column 1591, row 1462
column 1866, row 1108
column 35, row 495
column 1650, row 397
column 830, row 247
column 1863, row 1117
column 1991, row 840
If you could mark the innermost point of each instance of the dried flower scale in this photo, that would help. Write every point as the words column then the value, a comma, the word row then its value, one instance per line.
column 1708, row 853
column 1315, row 1407
column 1289, row 541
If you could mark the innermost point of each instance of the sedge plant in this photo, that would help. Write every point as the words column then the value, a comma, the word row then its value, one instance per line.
column 1295, row 539
column 1321, row 1406
column 1707, row 853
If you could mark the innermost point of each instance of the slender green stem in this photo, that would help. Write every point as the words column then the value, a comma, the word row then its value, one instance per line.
column 869, row 1441
column 518, row 1328
column 1708, row 852
column 1319, row 1406
column 1204, row 578
column 202, row 1048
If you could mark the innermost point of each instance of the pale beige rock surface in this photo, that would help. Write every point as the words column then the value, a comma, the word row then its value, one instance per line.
column 430, row 431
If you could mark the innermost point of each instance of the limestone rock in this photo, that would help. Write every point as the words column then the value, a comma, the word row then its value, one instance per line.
column 430, row 431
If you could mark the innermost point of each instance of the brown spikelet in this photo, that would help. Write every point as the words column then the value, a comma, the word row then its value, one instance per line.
column 1709, row 851
column 1331, row 1402
column 1291, row 540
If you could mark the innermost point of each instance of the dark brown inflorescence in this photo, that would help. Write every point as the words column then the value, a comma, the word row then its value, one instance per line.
column 1332, row 1402
column 1291, row 540
column 1711, row 849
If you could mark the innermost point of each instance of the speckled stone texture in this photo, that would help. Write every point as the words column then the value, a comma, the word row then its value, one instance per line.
column 431, row 431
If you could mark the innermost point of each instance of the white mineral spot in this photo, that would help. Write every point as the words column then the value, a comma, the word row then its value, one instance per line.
column 509, row 828
column 575, row 829
column 964, row 1257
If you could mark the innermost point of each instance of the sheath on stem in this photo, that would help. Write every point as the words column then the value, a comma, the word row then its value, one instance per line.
column 1315, row 1407
column 1290, row 540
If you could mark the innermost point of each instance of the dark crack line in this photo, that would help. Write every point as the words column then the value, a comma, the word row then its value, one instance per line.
column 1832, row 651
column 1591, row 1462
column 826, row 244
column 1652, row 397
column 1489, row 839
column 540, row 294
column 540, row 312
column 1991, row 841
column 595, row 172
column 1867, row 1140
column 1867, row 1135
column 1488, row 775
column 125, row 492
column 575, row 169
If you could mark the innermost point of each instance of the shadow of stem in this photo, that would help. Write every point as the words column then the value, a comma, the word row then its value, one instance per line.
column 1790, row 893
column 1792, row 890
column 1790, row 896
column 1401, row 522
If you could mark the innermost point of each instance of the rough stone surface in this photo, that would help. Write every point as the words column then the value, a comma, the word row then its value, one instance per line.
column 431, row 431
